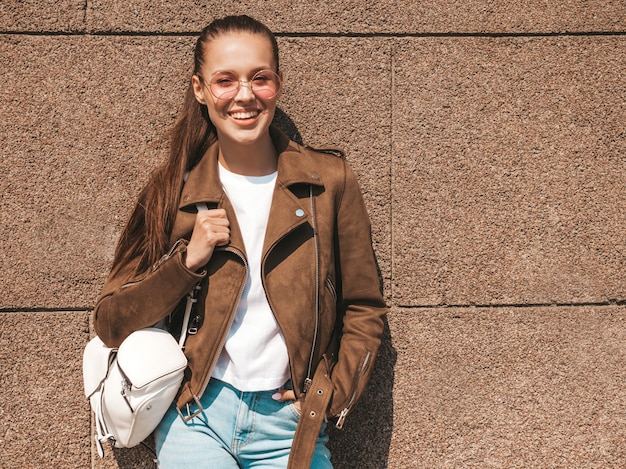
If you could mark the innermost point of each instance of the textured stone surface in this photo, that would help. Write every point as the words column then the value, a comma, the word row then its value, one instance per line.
column 502, row 387
column 509, row 162
column 362, row 17
column 42, row 15
column 79, row 119
column 509, row 387
column 44, row 413
column 348, row 16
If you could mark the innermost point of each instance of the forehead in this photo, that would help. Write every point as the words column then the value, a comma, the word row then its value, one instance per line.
column 238, row 52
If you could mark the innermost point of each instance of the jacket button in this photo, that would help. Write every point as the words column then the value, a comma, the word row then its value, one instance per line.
column 186, row 198
column 300, row 212
column 315, row 176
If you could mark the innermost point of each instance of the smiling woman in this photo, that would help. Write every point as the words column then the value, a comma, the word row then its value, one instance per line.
column 289, row 314
column 240, row 94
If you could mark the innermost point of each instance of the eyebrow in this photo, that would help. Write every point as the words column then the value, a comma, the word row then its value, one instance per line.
column 254, row 71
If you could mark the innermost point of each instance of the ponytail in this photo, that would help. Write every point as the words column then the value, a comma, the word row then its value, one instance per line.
column 145, row 237
column 146, row 234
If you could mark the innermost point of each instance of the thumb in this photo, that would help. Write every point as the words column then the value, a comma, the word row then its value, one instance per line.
column 284, row 395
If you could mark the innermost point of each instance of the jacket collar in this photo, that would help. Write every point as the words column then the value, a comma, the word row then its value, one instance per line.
column 296, row 165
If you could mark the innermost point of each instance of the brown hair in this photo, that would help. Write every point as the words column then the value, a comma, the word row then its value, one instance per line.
column 146, row 234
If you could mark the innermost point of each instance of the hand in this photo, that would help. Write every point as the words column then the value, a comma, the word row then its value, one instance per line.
column 211, row 229
column 288, row 395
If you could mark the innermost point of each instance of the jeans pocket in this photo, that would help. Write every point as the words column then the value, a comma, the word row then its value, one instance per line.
column 291, row 405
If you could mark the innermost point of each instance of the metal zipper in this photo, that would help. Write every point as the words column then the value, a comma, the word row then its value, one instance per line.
column 342, row 415
column 125, row 393
column 308, row 380
column 331, row 288
column 269, row 300
column 156, row 265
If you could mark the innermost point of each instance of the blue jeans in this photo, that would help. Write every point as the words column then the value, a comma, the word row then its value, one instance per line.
column 237, row 430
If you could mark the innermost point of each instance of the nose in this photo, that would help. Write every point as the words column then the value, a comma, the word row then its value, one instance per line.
column 244, row 93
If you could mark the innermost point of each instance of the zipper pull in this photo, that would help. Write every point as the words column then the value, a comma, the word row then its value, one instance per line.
column 307, row 385
column 124, row 392
column 193, row 326
column 342, row 418
column 165, row 257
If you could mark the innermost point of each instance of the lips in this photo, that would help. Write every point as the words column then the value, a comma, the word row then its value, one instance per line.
column 243, row 115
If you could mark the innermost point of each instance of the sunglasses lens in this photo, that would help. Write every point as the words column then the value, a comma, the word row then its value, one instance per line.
column 265, row 84
column 224, row 86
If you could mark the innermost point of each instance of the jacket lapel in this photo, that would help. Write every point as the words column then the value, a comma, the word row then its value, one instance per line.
column 295, row 167
column 203, row 185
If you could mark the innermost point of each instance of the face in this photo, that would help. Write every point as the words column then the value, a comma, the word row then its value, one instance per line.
column 243, row 118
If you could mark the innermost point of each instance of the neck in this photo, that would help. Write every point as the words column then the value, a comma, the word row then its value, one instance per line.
column 259, row 159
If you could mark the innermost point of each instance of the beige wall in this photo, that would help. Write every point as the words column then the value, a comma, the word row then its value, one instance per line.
column 491, row 146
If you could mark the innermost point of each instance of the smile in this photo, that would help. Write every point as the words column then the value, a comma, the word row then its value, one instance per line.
column 244, row 115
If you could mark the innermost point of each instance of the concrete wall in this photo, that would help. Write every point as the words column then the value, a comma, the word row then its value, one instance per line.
column 489, row 138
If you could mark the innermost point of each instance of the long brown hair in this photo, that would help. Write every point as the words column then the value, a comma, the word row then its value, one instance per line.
column 146, row 234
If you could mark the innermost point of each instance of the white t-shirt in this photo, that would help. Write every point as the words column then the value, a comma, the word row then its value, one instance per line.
column 254, row 357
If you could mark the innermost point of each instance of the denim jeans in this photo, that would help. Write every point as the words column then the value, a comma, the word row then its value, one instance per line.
column 236, row 430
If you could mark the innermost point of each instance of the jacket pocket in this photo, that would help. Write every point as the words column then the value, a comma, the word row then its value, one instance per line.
column 328, row 313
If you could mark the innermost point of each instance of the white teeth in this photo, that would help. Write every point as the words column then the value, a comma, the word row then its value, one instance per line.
column 244, row 115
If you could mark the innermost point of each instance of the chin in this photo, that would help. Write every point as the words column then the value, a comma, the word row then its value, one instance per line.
column 248, row 135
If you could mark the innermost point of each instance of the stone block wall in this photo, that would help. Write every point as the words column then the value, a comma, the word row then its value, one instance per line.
column 490, row 142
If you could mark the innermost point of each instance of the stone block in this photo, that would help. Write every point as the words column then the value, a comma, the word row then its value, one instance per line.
column 508, row 170
column 82, row 121
column 509, row 387
column 362, row 17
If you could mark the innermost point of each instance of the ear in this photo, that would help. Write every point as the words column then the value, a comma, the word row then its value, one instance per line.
column 198, row 89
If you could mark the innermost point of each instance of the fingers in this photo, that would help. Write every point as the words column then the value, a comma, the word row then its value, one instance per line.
column 288, row 395
column 284, row 395
column 211, row 229
column 214, row 225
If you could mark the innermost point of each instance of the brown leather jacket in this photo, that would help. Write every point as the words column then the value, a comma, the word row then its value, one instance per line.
column 319, row 274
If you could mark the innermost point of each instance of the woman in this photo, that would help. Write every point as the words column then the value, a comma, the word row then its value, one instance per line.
column 289, row 313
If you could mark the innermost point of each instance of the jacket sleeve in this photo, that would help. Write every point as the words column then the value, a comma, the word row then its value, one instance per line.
column 361, row 299
column 130, row 303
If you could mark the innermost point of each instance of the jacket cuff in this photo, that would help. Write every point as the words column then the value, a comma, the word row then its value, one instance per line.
column 171, row 268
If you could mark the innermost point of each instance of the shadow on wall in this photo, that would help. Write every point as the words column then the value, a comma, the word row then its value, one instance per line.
column 365, row 439
column 284, row 123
